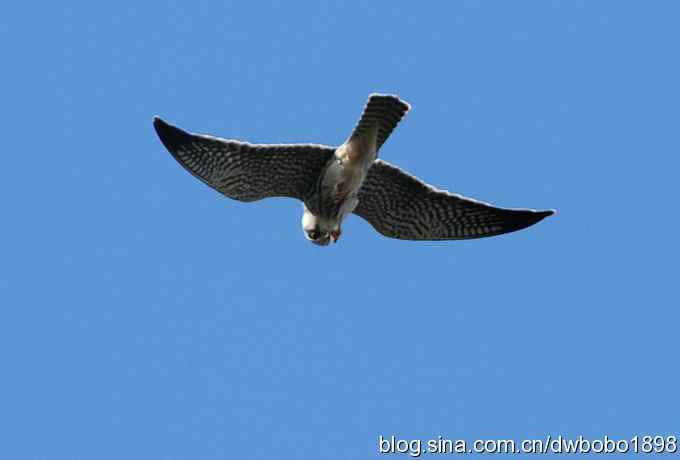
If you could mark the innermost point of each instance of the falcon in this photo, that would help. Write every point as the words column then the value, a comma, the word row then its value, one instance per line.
column 333, row 182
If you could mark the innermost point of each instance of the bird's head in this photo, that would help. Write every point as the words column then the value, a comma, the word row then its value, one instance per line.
column 318, row 230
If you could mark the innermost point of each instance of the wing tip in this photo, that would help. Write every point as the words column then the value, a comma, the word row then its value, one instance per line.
column 158, row 122
column 529, row 218
column 171, row 136
column 546, row 213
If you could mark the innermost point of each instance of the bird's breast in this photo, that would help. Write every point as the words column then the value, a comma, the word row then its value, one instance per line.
column 342, row 179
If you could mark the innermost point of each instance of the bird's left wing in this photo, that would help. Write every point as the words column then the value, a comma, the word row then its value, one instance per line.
column 242, row 171
column 399, row 205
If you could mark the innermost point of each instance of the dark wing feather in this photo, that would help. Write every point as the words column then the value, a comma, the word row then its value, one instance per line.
column 242, row 171
column 399, row 205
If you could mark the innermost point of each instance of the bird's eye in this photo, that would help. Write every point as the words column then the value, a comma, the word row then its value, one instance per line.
column 314, row 234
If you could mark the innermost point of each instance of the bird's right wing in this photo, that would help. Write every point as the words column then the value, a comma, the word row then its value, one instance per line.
column 242, row 171
column 399, row 205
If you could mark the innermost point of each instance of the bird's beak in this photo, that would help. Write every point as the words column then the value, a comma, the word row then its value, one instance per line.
column 335, row 236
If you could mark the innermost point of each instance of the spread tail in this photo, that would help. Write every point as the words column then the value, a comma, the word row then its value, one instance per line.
column 383, row 111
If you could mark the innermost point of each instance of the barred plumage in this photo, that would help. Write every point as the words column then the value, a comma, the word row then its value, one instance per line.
column 383, row 111
column 243, row 171
column 399, row 205
column 333, row 182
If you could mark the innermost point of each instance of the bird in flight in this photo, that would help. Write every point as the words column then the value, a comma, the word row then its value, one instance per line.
column 333, row 182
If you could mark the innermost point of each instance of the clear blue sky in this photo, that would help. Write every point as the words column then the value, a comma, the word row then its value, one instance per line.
column 144, row 316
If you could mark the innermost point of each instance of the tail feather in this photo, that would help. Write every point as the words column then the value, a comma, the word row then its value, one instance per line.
column 383, row 111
